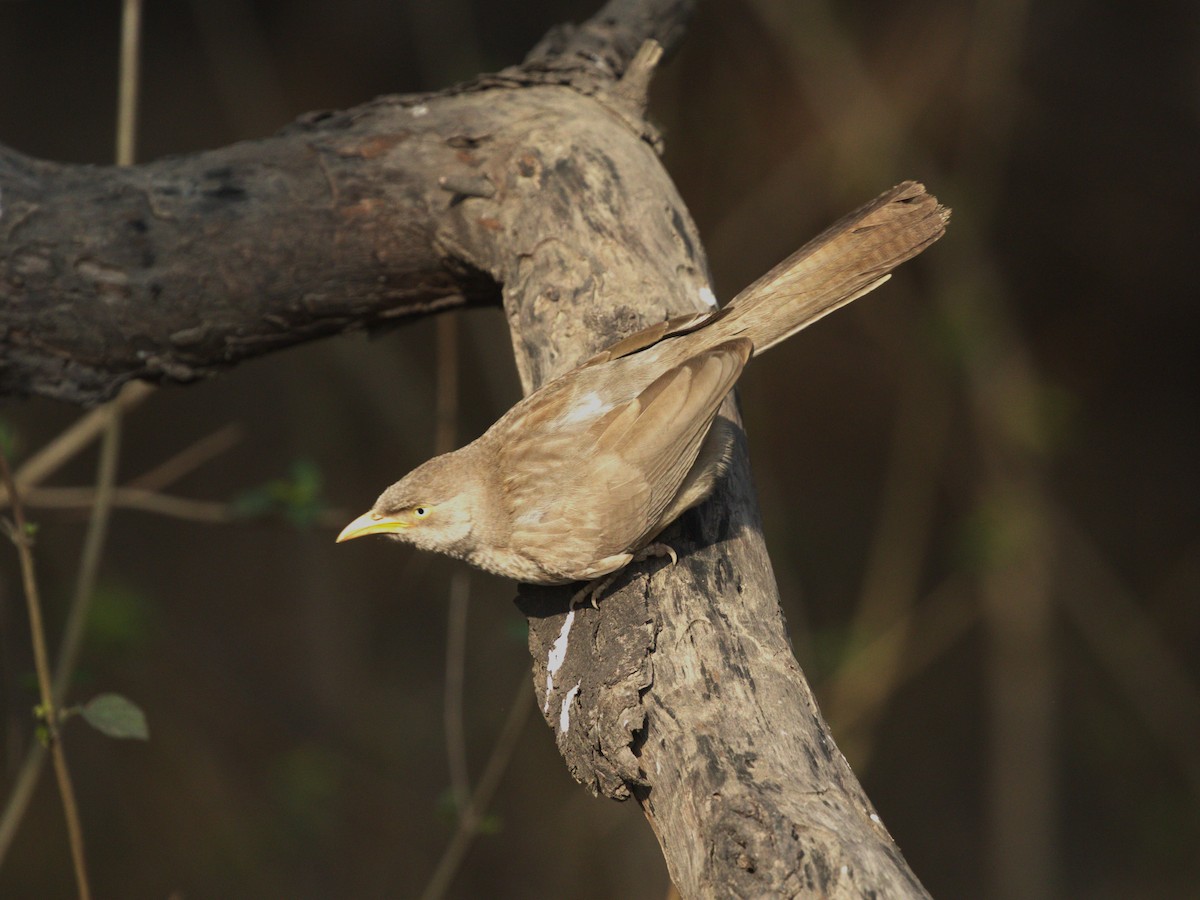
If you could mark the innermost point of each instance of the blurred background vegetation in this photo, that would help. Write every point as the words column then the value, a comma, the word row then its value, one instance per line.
column 979, row 485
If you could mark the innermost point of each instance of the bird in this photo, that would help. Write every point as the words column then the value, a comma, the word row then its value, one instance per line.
column 579, row 478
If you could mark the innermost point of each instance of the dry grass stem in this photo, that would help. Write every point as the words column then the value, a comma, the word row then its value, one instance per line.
column 19, row 532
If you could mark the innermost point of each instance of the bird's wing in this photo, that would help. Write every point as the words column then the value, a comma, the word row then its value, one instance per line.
column 651, row 335
column 581, row 487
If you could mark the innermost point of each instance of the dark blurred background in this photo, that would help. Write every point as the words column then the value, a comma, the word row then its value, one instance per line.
column 979, row 485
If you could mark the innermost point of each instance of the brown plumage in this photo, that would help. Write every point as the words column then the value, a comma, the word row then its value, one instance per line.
column 574, row 480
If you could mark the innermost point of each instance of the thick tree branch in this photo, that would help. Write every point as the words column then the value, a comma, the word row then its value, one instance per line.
column 174, row 269
column 681, row 690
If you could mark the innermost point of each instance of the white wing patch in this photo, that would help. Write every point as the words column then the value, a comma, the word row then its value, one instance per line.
column 586, row 408
column 530, row 517
column 707, row 297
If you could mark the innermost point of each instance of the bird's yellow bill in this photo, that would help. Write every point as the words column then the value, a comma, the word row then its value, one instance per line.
column 370, row 523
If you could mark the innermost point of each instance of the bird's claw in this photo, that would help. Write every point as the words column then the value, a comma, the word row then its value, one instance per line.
column 592, row 591
column 595, row 588
column 657, row 549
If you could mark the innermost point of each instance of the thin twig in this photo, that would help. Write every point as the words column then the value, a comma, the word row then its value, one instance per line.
column 101, row 500
column 188, row 460
column 80, row 498
column 1024, row 778
column 127, row 80
column 1131, row 646
column 72, row 640
column 452, row 710
column 48, row 713
column 89, row 562
column 472, row 814
column 12, row 726
column 20, row 795
column 944, row 616
column 446, row 418
column 209, row 512
column 1000, row 378
column 893, row 569
column 857, row 113
column 73, row 439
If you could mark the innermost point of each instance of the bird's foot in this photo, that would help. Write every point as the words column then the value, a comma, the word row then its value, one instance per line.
column 655, row 551
column 594, row 589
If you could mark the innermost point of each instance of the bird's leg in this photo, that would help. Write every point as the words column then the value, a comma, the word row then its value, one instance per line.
column 597, row 586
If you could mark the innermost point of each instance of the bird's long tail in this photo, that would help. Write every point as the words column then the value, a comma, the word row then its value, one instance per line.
column 850, row 258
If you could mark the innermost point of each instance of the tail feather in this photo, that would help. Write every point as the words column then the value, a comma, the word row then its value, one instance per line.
column 849, row 259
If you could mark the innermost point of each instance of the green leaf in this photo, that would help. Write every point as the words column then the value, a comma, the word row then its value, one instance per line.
column 116, row 716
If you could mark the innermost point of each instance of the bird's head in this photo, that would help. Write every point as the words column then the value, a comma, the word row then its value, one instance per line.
column 433, row 507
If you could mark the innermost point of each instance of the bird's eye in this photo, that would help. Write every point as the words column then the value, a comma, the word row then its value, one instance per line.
column 421, row 512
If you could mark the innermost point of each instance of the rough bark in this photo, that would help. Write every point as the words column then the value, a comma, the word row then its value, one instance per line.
column 174, row 269
column 544, row 183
